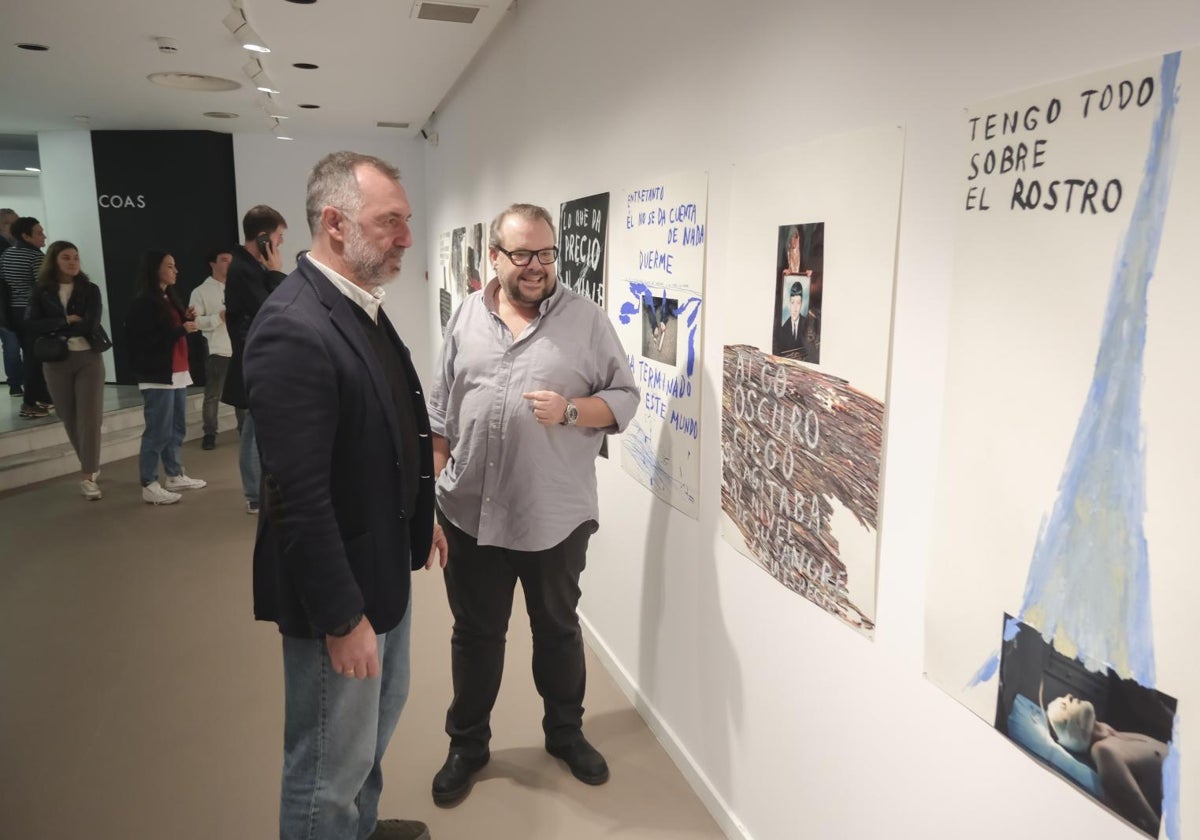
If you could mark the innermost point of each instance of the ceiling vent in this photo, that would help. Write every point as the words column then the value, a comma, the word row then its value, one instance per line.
column 391, row 125
column 445, row 12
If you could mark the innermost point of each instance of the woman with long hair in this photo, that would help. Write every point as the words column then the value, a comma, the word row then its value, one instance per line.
column 158, row 326
column 65, row 303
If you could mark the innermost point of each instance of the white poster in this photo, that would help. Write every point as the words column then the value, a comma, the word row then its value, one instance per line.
column 813, row 249
column 656, row 301
column 1061, row 587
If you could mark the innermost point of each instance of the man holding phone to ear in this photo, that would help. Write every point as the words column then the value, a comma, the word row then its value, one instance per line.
column 254, row 272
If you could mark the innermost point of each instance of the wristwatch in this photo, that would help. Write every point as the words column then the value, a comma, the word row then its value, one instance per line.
column 571, row 414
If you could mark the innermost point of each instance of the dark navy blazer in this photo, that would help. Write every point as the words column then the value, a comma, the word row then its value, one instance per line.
column 333, row 537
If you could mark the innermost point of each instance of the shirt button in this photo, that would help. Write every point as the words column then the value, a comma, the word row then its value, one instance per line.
column 491, row 463
column 487, row 498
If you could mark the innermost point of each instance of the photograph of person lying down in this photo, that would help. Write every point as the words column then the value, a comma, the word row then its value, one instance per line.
column 1108, row 736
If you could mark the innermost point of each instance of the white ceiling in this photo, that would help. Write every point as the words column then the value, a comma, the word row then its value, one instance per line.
column 377, row 63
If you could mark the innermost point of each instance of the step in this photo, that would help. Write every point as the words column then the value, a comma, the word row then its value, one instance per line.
column 43, row 452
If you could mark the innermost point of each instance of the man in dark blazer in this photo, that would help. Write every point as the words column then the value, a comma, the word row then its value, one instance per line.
column 348, row 507
column 253, row 273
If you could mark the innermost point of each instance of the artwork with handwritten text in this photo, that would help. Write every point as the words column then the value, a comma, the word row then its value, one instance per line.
column 582, row 234
column 796, row 446
column 801, row 446
column 1070, row 463
column 656, row 300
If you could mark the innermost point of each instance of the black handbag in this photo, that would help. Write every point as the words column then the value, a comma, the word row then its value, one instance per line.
column 99, row 339
column 51, row 347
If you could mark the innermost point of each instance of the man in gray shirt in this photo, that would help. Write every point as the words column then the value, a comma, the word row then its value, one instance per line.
column 530, row 378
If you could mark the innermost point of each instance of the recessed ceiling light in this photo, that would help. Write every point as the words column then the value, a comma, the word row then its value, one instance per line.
column 278, row 116
column 33, row 47
column 445, row 12
column 304, row 65
column 282, row 137
column 221, row 115
column 193, row 81
column 267, row 90
column 302, row 2
column 309, row 106
column 32, row 169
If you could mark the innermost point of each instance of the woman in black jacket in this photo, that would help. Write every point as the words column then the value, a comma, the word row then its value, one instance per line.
column 157, row 327
column 65, row 303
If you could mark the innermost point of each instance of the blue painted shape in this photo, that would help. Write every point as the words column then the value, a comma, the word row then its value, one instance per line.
column 1089, row 579
column 639, row 292
column 1011, row 628
column 1171, row 773
column 986, row 671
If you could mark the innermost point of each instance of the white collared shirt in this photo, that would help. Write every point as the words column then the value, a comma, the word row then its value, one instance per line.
column 368, row 301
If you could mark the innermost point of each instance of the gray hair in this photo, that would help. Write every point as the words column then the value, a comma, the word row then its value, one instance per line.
column 531, row 212
column 332, row 183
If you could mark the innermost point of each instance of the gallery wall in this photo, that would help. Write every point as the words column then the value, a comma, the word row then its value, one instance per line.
column 275, row 172
column 22, row 193
column 788, row 724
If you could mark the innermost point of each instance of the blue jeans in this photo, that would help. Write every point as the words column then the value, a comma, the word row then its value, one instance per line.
column 334, row 735
column 13, row 369
column 248, row 462
column 166, row 424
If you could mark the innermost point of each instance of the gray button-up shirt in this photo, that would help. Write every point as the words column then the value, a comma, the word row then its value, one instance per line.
column 512, row 482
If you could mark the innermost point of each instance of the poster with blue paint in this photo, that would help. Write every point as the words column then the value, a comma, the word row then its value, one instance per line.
column 656, row 300
column 1070, row 461
column 802, row 402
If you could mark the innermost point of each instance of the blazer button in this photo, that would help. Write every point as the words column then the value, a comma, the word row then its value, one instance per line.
column 397, row 465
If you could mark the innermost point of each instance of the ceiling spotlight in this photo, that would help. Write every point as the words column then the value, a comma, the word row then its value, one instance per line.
column 33, row 47
column 254, row 69
column 236, row 23
column 308, row 105
column 306, row 65
column 283, row 137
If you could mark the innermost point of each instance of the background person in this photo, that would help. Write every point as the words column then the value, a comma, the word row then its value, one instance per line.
column 254, row 271
column 208, row 304
column 157, row 328
column 19, row 266
column 67, row 303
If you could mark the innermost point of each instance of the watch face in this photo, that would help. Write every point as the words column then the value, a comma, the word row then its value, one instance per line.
column 572, row 414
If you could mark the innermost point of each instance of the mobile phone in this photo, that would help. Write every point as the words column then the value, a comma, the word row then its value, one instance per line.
column 263, row 240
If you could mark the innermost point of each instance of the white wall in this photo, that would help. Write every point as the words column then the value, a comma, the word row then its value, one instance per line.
column 22, row 193
column 275, row 172
column 72, row 213
column 792, row 725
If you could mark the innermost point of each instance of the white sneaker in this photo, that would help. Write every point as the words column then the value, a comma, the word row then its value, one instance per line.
column 90, row 490
column 183, row 482
column 154, row 494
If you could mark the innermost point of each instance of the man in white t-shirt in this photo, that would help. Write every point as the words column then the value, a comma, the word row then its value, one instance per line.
column 208, row 299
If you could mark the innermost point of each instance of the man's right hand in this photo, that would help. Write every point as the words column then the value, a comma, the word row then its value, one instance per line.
column 356, row 654
column 271, row 259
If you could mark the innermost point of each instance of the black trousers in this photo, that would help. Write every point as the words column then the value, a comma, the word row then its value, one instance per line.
column 480, row 581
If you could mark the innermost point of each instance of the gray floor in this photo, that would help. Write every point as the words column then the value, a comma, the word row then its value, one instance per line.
column 138, row 699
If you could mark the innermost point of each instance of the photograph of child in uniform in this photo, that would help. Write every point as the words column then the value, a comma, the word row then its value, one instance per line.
column 1107, row 735
column 799, row 274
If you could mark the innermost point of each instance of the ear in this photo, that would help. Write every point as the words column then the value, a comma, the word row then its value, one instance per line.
column 333, row 222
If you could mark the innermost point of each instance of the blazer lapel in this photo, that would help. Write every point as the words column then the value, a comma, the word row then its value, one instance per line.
column 346, row 322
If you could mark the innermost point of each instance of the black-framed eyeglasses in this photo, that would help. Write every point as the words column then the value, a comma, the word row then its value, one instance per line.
column 520, row 258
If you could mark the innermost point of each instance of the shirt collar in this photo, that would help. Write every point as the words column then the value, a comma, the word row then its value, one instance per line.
column 369, row 302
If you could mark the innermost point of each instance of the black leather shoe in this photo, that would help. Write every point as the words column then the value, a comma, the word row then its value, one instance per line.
column 585, row 761
column 209, row 442
column 453, row 781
